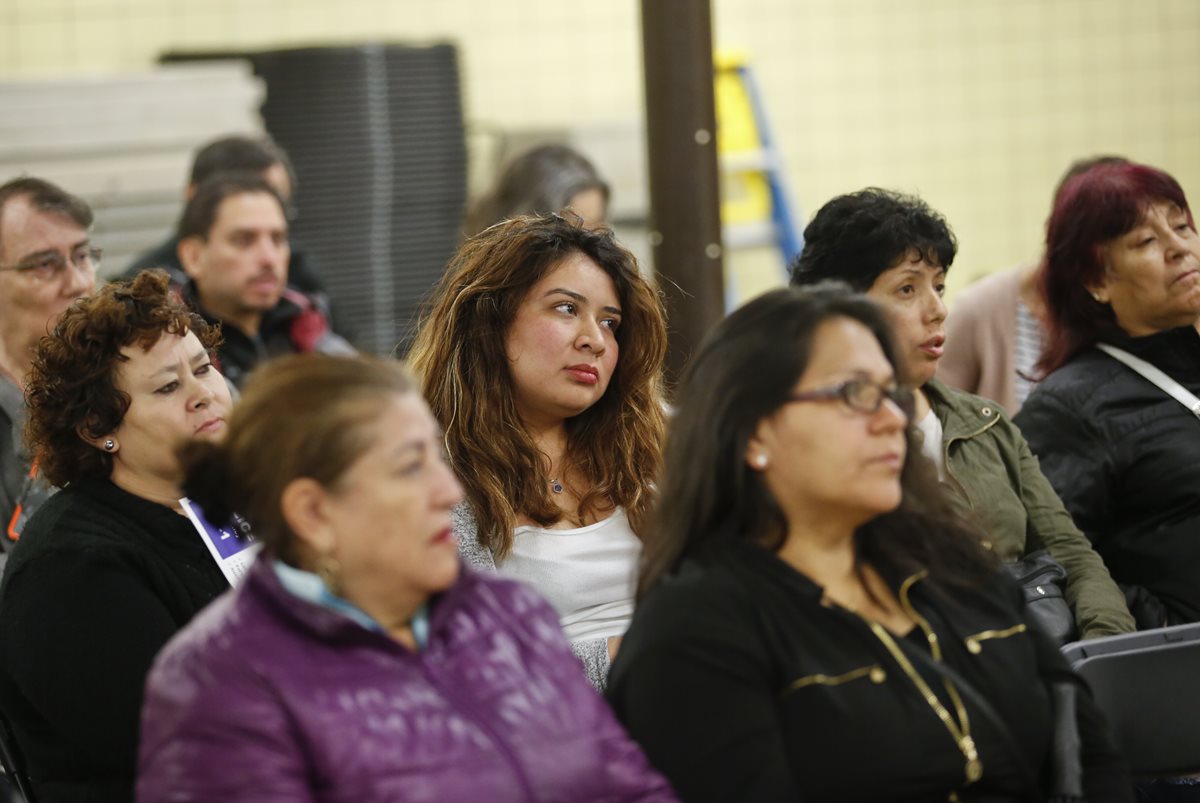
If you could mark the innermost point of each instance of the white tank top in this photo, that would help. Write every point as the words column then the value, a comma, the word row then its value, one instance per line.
column 589, row 574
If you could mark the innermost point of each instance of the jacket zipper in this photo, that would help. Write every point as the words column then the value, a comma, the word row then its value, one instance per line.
column 960, row 730
column 946, row 456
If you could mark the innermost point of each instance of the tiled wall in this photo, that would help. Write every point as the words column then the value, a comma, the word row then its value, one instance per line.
column 976, row 104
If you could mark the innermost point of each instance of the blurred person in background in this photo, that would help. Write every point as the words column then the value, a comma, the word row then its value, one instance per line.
column 237, row 154
column 995, row 336
column 548, row 178
column 47, row 260
column 814, row 621
column 108, row 568
column 233, row 243
column 897, row 250
column 360, row 660
column 541, row 355
column 1122, row 270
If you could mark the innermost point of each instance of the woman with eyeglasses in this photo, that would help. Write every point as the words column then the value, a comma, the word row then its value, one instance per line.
column 813, row 622
column 110, row 567
column 897, row 250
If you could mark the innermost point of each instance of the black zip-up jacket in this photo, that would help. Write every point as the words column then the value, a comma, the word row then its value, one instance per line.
column 297, row 325
column 1125, row 458
column 741, row 685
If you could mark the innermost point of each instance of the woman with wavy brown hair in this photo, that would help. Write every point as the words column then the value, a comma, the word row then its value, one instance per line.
column 541, row 355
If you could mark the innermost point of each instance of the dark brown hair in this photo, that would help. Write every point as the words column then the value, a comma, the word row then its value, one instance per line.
column 241, row 155
column 459, row 357
column 46, row 197
column 72, row 391
column 540, row 180
column 200, row 213
column 304, row 415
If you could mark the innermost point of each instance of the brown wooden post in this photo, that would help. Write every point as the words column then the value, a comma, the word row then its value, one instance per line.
column 685, row 215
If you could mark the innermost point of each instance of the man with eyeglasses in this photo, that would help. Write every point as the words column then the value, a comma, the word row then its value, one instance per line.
column 47, row 261
column 233, row 243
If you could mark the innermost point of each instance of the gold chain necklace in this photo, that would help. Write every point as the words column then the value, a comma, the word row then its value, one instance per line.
column 960, row 730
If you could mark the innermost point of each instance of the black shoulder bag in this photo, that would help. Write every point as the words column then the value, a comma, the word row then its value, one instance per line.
column 1043, row 582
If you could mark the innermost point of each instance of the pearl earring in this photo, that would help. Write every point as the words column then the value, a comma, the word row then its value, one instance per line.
column 109, row 445
column 760, row 461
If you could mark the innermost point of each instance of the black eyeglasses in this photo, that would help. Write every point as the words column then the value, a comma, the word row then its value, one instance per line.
column 862, row 396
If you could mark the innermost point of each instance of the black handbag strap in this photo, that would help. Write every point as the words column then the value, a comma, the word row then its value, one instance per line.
column 1033, row 791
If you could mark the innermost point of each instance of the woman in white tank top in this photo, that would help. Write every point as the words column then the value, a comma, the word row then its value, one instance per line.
column 541, row 354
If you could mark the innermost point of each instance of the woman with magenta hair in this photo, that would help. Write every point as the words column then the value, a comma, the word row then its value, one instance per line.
column 1110, row 422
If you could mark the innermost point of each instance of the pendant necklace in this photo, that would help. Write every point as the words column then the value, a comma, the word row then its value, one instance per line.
column 556, row 486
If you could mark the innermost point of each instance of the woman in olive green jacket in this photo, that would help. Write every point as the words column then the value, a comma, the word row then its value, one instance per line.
column 897, row 250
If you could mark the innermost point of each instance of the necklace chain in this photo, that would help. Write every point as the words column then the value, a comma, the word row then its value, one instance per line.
column 958, row 724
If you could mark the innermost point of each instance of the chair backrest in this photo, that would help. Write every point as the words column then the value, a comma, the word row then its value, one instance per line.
column 1147, row 686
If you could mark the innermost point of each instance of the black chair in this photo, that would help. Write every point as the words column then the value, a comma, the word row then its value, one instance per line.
column 14, row 764
column 1148, row 686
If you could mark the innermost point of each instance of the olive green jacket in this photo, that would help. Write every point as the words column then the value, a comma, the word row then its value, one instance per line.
column 995, row 478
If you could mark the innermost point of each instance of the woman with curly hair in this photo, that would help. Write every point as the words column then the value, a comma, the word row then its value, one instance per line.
column 541, row 355
column 108, row 569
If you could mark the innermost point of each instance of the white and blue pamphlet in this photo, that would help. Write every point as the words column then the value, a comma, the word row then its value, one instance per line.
column 233, row 548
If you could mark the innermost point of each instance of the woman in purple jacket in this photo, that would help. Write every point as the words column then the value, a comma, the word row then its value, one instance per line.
column 358, row 660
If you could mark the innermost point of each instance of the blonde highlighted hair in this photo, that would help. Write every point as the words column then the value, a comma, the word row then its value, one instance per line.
column 460, row 360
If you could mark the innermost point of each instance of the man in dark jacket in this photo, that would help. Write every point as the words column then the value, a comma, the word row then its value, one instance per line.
column 233, row 244
column 236, row 154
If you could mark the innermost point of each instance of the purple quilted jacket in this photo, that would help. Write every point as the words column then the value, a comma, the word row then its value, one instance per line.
column 267, row 697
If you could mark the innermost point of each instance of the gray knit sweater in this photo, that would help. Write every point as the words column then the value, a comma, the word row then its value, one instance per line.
column 592, row 652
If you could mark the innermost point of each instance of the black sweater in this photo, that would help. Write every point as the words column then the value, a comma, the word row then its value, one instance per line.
column 98, row 583
column 742, row 686
column 1125, row 458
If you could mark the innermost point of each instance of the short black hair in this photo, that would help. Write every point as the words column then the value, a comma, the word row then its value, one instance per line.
column 856, row 237
column 201, row 211
column 238, row 154
column 46, row 197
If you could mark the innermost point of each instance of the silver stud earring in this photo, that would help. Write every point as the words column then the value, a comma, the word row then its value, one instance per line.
column 109, row 445
column 760, row 461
